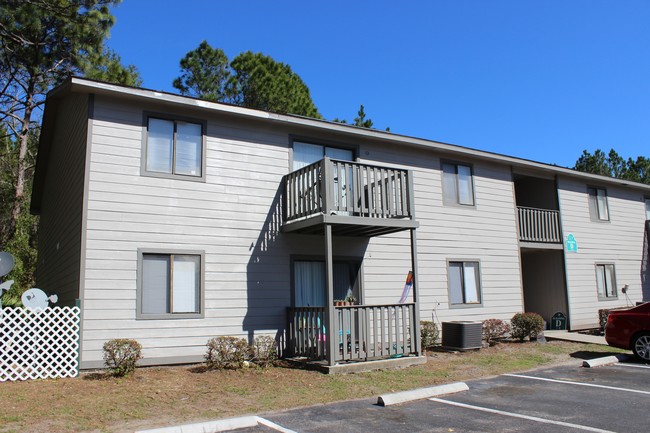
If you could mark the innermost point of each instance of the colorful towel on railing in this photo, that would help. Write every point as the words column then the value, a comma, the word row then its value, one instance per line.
column 407, row 287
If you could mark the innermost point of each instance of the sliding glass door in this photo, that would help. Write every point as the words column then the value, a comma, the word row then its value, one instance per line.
column 309, row 282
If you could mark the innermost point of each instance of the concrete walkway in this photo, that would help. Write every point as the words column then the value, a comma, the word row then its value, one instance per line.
column 575, row 337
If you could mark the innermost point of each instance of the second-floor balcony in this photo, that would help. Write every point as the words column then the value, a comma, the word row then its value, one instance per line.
column 539, row 225
column 356, row 199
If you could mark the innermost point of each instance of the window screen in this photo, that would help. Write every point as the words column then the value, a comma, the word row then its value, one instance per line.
column 155, row 284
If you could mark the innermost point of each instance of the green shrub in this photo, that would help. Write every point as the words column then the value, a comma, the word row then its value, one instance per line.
column 494, row 329
column 264, row 351
column 121, row 355
column 603, row 314
column 526, row 325
column 429, row 333
column 226, row 352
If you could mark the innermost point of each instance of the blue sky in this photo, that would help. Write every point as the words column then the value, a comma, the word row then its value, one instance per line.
column 540, row 80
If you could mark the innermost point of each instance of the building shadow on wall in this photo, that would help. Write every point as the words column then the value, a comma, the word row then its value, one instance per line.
column 267, row 276
column 645, row 264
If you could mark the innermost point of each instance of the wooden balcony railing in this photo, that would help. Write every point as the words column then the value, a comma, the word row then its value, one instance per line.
column 347, row 188
column 539, row 225
column 362, row 332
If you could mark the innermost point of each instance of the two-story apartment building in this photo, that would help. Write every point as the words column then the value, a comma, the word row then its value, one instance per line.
column 173, row 220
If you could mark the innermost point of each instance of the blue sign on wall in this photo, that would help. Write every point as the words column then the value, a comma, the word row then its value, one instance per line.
column 571, row 244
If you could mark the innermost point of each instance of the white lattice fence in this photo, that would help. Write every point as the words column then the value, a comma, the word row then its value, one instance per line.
column 39, row 344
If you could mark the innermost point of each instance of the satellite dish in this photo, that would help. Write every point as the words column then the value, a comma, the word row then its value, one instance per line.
column 6, row 263
column 36, row 299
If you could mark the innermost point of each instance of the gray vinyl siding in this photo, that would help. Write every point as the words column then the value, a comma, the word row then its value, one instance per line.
column 618, row 241
column 234, row 218
column 61, row 213
column 485, row 232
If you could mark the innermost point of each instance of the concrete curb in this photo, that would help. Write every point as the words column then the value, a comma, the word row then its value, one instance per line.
column 222, row 425
column 420, row 393
column 598, row 362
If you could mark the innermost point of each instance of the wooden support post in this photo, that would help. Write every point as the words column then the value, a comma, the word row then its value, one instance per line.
column 332, row 338
column 327, row 178
column 414, row 265
column 416, row 294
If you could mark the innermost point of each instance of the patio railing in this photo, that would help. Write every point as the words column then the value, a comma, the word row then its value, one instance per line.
column 539, row 225
column 362, row 332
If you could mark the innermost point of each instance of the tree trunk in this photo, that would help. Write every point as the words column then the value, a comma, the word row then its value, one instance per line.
column 23, row 139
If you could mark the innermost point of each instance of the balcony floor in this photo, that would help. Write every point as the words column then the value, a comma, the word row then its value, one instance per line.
column 349, row 225
column 541, row 245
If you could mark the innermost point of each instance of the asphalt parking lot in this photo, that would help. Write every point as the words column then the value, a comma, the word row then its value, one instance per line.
column 612, row 398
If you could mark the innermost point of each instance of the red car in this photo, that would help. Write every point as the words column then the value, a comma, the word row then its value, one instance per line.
column 630, row 329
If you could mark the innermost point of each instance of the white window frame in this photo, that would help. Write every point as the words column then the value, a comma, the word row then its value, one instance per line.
column 478, row 281
column 606, row 291
column 456, row 201
column 145, row 140
column 170, row 315
column 598, row 204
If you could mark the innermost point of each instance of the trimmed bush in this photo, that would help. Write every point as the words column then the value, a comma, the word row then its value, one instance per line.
column 429, row 334
column 264, row 351
column 603, row 314
column 494, row 329
column 121, row 355
column 226, row 353
column 526, row 325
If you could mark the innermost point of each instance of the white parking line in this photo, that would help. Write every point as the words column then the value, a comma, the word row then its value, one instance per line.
column 516, row 415
column 634, row 366
column 273, row 425
column 592, row 385
column 222, row 425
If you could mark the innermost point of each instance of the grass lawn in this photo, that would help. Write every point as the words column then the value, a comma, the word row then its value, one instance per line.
column 162, row 396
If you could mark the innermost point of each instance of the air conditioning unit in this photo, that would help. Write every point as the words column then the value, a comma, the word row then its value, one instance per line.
column 462, row 335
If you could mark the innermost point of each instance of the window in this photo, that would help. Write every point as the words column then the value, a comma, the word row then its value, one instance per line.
column 457, row 184
column 174, row 148
column 647, row 208
column 170, row 285
column 464, row 283
column 598, row 204
column 606, row 281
